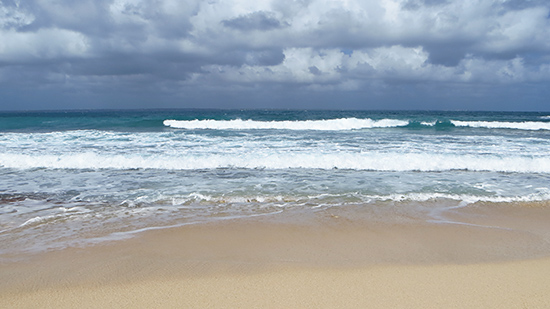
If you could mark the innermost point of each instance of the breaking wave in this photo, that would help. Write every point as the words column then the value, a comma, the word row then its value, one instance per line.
column 285, row 160
column 344, row 124
column 324, row 125
column 527, row 125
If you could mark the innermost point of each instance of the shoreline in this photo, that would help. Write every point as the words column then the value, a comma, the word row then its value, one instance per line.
column 331, row 258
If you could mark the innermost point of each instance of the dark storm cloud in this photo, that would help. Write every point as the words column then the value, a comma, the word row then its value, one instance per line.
column 523, row 4
column 85, row 16
column 446, row 53
column 264, row 57
column 244, row 52
column 314, row 70
column 418, row 4
column 254, row 21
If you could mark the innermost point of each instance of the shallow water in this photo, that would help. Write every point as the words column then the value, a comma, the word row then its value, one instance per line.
column 70, row 178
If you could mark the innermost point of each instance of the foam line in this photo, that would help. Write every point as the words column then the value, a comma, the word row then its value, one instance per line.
column 284, row 160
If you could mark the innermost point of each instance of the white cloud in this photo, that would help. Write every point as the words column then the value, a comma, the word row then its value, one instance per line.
column 44, row 44
column 14, row 16
column 519, row 30
column 310, row 44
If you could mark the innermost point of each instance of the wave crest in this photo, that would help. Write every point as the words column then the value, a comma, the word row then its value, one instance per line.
column 527, row 125
column 345, row 124
column 340, row 124
column 284, row 160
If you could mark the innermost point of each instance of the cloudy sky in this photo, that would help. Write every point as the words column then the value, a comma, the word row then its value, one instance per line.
column 356, row 54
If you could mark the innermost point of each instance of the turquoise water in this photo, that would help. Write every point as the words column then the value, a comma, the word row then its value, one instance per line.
column 71, row 178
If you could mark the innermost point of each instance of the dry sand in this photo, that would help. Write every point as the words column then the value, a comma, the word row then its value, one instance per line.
column 504, row 285
column 334, row 261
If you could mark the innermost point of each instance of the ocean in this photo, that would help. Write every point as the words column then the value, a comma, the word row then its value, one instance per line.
column 75, row 178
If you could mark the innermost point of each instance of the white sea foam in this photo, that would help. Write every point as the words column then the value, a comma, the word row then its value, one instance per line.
column 342, row 124
column 527, row 125
column 395, row 161
column 464, row 198
column 35, row 220
column 324, row 125
column 338, row 199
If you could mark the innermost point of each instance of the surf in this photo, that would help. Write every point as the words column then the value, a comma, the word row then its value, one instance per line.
column 526, row 125
column 394, row 161
column 340, row 124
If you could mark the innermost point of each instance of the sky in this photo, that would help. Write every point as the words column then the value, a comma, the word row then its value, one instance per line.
column 303, row 54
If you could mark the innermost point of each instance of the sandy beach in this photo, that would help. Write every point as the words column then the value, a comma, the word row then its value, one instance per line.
column 499, row 285
column 331, row 261
column 275, row 154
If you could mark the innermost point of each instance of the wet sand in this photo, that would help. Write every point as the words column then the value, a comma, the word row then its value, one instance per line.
column 486, row 258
